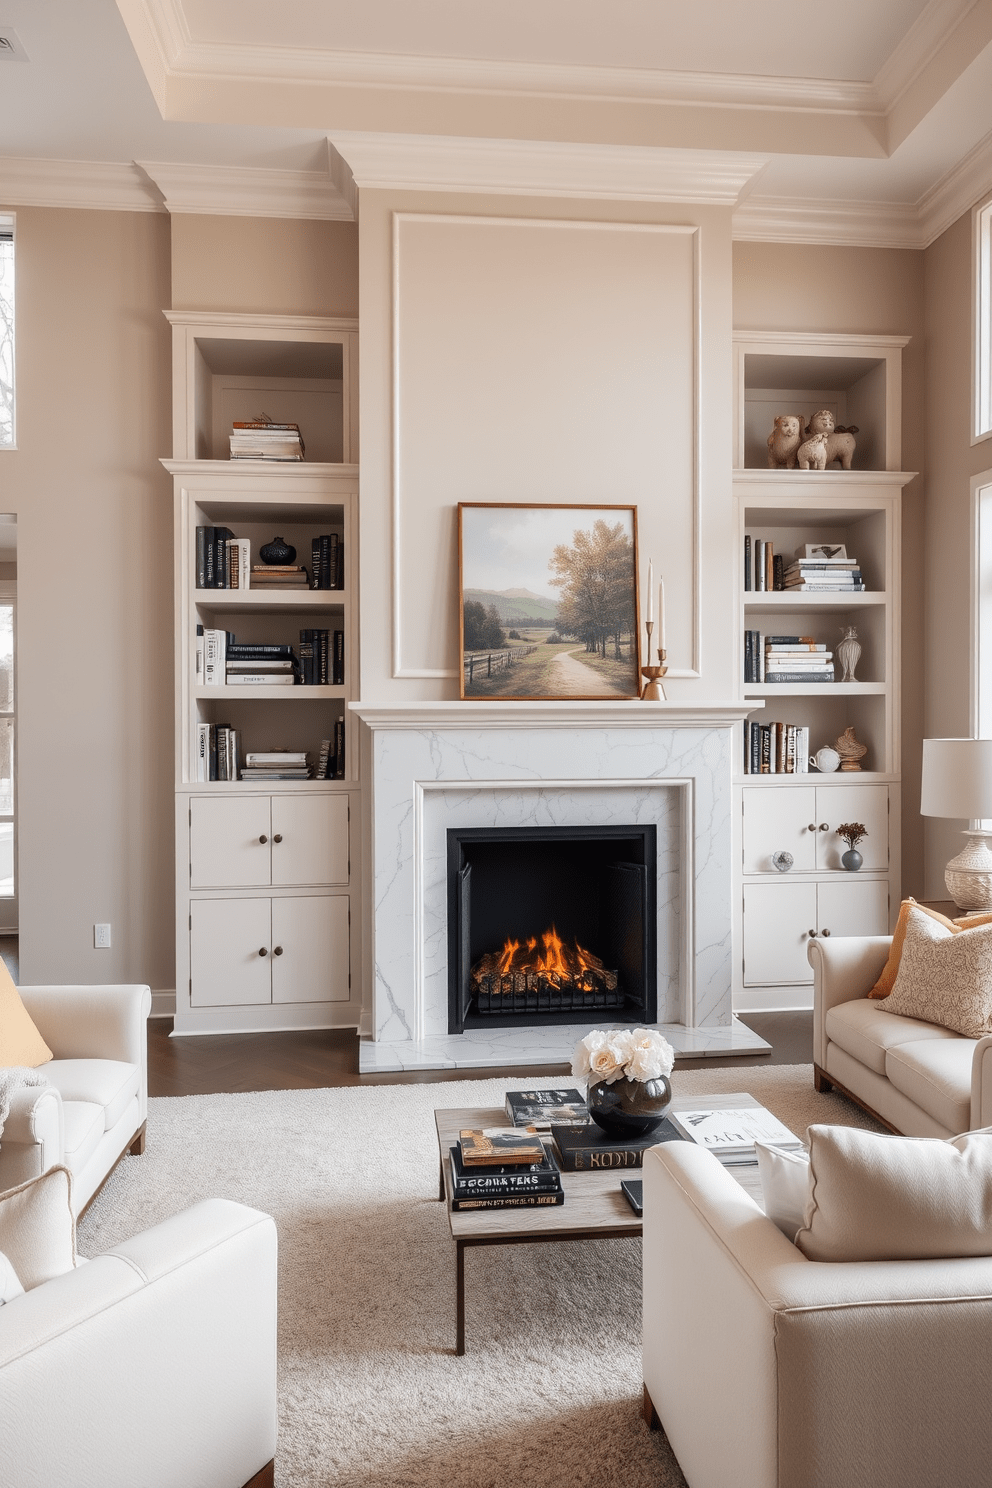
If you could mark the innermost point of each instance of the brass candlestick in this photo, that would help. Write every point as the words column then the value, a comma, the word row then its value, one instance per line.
column 652, row 691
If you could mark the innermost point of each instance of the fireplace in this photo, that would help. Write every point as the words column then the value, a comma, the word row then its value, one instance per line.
column 551, row 925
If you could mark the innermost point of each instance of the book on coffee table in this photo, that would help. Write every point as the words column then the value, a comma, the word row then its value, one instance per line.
column 493, row 1145
column 536, row 1109
column 503, row 1178
column 588, row 1149
column 731, row 1134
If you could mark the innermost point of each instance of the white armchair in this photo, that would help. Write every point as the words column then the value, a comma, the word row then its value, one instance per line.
column 768, row 1370
column 154, row 1364
column 96, row 1105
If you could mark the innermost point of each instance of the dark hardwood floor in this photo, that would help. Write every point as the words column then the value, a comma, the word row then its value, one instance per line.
column 316, row 1060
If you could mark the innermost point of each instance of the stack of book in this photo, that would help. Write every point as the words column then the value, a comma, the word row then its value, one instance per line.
column 223, row 561
column 589, row 1149
column 537, row 1109
column 826, row 575
column 222, row 659
column 275, row 764
column 327, row 562
column 279, row 576
column 786, row 658
column 730, row 1135
column 764, row 569
column 218, row 751
column 264, row 439
column 321, row 658
column 776, row 749
column 500, row 1168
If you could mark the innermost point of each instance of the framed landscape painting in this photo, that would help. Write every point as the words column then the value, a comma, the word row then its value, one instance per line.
column 548, row 601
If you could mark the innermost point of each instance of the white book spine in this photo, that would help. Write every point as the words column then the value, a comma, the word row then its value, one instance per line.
column 214, row 657
column 202, row 749
column 244, row 562
column 198, row 660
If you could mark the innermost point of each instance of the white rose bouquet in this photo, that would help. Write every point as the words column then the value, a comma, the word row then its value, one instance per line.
column 633, row 1053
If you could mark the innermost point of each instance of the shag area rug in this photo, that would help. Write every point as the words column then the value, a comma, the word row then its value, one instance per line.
column 548, row 1394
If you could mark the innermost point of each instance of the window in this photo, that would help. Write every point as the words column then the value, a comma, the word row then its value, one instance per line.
column 983, row 322
column 981, row 606
column 6, row 332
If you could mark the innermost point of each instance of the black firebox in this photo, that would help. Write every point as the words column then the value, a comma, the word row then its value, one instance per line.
column 551, row 925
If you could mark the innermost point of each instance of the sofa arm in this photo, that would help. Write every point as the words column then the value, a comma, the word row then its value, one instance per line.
column 32, row 1140
column 92, row 1022
column 843, row 969
column 161, row 1356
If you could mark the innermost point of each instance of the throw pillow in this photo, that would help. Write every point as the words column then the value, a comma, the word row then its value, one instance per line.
column 887, row 980
column 784, row 1186
column 20, row 1041
column 37, row 1228
column 10, row 1287
column 882, row 1198
column 944, row 976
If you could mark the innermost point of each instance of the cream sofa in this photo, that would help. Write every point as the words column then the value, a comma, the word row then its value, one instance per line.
column 96, row 1103
column 152, row 1365
column 917, row 1078
column 768, row 1370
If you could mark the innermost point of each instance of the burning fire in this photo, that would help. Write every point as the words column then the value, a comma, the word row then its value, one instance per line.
column 551, row 958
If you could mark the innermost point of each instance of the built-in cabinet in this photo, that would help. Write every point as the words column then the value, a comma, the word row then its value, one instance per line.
column 797, row 813
column 265, row 869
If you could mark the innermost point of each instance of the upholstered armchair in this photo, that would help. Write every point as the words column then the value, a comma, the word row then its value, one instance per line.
column 769, row 1370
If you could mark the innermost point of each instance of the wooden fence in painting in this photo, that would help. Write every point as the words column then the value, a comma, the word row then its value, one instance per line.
column 481, row 664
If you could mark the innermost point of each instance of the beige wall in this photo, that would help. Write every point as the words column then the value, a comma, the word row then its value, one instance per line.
column 579, row 434
column 951, row 462
column 264, row 265
column 94, row 562
column 868, row 291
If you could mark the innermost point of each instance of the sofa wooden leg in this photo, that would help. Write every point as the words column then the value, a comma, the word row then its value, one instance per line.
column 821, row 1084
column 265, row 1477
column 650, row 1414
column 137, row 1147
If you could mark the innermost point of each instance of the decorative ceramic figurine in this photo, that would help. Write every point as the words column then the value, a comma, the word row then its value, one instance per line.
column 277, row 551
column 850, row 750
column 848, row 652
column 825, row 760
column 812, row 455
column 783, row 442
column 840, row 438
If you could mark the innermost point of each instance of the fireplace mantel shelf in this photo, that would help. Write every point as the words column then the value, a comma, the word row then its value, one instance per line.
column 624, row 713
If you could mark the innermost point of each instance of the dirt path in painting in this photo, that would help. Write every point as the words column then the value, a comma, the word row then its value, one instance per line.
column 570, row 678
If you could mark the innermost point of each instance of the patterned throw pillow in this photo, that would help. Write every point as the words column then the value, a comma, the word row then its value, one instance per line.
column 945, row 976
column 890, row 971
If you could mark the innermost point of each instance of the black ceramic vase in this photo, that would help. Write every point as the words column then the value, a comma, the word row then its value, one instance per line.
column 852, row 860
column 277, row 551
column 629, row 1108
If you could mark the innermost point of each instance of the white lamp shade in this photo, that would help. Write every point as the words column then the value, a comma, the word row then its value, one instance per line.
column 957, row 779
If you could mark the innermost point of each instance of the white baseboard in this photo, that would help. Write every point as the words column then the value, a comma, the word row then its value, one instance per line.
column 163, row 1003
column 773, row 1000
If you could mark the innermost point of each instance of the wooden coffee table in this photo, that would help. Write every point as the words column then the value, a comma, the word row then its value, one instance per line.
column 594, row 1207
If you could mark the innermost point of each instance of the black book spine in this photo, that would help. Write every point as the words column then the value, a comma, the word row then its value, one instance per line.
column 245, row 650
column 208, row 567
column 331, row 560
column 325, row 657
column 212, row 774
column 201, row 557
column 599, row 1159
column 747, row 561
column 755, row 748
column 306, row 658
column 338, row 674
column 339, row 566
column 511, row 1201
column 778, row 572
column 339, row 749
column 325, row 562
column 315, row 563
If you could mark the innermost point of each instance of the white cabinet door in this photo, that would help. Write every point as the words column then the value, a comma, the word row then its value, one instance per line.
column 853, row 906
column 309, row 840
column 777, row 920
column 229, row 842
column 867, row 804
column 229, row 942
column 779, row 820
column 310, row 949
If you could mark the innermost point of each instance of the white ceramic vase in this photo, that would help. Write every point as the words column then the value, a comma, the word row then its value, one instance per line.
column 848, row 653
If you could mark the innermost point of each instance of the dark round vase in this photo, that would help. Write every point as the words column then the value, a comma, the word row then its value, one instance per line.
column 277, row 551
column 852, row 860
column 629, row 1108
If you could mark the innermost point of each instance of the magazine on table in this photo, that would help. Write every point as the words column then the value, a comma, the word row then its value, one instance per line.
column 731, row 1134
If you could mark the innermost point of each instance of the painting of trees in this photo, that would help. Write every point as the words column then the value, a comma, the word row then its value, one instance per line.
column 483, row 631
column 597, row 595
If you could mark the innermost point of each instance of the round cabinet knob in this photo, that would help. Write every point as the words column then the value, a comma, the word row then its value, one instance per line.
column 277, row 837
column 811, row 934
column 263, row 839
column 824, row 826
column 262, row 951
column 811, row 827
column 277, row 950
column 824, row 932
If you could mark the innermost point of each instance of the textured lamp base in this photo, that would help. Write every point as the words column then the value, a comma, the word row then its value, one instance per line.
column 969, row 876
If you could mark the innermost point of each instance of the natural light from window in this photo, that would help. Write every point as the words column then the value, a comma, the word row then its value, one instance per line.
column 983, row 321
column 6, row 332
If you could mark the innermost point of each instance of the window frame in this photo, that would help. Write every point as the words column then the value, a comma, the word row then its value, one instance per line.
column 8, row 221
column 981, row 321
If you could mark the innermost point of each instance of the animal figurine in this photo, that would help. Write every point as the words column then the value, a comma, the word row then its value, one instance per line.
column 783, row 442
column 813, row 453
column 840, row 437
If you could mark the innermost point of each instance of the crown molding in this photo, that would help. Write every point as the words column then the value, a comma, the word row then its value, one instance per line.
column 845, row 224
column 97, row 185
column 234, row 191
column 527, row 168
column 937, row 21
column 957, row 191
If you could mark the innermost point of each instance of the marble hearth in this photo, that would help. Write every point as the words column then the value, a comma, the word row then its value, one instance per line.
column 434, row 766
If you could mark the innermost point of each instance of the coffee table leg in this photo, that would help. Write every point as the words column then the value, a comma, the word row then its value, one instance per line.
column 460, row 1301
column 440, row 1179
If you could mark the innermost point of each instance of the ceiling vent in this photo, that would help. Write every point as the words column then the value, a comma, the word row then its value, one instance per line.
column 11, row 49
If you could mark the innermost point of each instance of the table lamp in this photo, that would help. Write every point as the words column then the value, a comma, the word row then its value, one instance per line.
column 957, row 783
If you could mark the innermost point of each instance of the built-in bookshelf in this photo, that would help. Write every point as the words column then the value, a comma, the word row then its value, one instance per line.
column 792, row 618
column 265, row 854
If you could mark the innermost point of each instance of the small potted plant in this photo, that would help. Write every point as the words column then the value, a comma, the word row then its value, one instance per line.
column 852, row 833
column 627, row 1072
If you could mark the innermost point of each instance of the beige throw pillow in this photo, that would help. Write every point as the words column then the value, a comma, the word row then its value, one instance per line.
column 20, row 1041
column 37, row 1228
column 944, row 977
column 881, row 1198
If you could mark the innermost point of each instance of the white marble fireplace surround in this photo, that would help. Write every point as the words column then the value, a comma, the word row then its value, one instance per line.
column 431, row 766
